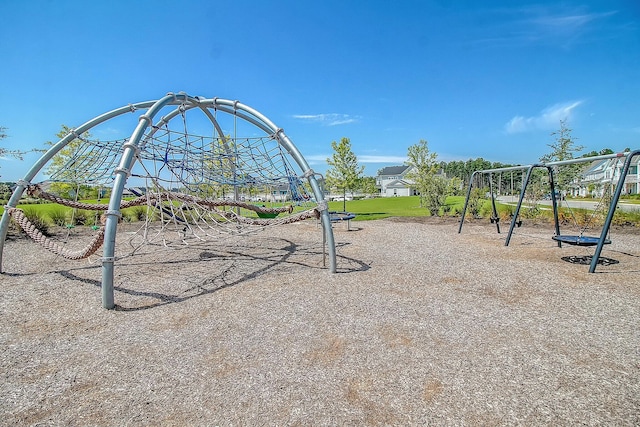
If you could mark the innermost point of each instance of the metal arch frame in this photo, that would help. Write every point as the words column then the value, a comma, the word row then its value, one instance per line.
column 128, row 157
column 549, row 166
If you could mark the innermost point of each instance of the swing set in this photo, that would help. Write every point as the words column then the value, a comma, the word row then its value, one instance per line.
column 570, row 239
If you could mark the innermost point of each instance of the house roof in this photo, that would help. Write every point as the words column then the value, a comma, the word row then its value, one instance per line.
column 398, row 184
column 595, row 166
column 393, row 170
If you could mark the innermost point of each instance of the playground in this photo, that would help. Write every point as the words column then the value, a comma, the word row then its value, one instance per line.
column 236, row 297
column 419, row 325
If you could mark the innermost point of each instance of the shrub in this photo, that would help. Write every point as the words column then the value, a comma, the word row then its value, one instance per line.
column 58, row 216
column 137, row 213
column 506, row 212
column 436, row 196
column 83, row 217
column 475, row 202
column 93, row 218
column 38, row 219
column 531, row 211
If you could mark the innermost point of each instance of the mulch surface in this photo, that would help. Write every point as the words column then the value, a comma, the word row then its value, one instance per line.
column 421, row 325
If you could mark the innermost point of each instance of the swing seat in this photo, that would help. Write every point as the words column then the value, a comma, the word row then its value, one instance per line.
column 580, row 240
column 341, row 216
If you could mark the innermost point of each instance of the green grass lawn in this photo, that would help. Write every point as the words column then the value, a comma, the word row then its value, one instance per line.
column 369, row 209
column 384, row 207
column 365, row 209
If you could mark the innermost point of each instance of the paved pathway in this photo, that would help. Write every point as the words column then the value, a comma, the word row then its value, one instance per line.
column 574, row 204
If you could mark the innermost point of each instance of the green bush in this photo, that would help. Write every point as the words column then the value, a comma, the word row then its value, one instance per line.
column 92, row 217
column 475, row 203
column 58, row 216
column 77, row 218
column 136, row 213
column 39, row 220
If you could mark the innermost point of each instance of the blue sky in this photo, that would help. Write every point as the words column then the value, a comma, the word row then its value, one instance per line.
column 487, row 79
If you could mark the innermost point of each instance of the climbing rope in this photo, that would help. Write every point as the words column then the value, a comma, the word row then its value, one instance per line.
column 37, row 236
column 36, row 191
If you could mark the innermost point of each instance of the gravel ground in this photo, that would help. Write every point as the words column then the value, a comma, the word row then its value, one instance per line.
column 420, row 326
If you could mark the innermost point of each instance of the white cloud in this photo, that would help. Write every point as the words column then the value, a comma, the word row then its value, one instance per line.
column 561, row 24
column 314, row 159
column 548, row 119
column 331, row 119
column 555, row 25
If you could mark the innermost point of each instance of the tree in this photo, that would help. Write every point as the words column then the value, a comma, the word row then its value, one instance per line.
column 602, row 152
column 67, row 166
column 4, row 152
column 563, row 148
column 368, row 185
column 436, row 197
column 344, row 172
column 220, row 163
column 423, row 166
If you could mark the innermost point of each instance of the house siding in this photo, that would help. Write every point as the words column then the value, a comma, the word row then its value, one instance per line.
column 392, row 182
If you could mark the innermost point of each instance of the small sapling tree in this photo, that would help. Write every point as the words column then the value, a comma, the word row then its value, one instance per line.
column 564, row 148
column 344, row 172
column 433, row 188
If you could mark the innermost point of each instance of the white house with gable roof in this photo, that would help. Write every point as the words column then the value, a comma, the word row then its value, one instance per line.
column 393, row 182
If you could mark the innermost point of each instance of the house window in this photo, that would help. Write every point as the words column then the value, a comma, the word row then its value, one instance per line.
column 633, row 170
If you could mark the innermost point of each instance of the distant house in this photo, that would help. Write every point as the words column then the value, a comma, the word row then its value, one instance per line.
column 607, row 172
column 393, row 182
column 592, row 180
column 632, row 180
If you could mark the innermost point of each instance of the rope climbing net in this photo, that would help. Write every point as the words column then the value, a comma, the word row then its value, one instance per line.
column 193, row 168
column 186, row 210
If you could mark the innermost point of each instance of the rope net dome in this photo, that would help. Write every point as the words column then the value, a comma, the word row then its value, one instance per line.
column 192, row 168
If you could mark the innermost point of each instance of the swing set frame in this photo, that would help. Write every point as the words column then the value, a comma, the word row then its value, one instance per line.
column 599, row 242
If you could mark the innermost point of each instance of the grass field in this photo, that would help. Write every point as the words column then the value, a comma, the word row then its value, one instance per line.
column 384, row 207
column 365, row 209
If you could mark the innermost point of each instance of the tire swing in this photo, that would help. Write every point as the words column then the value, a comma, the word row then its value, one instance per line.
column 581, row 239
column 585, row 241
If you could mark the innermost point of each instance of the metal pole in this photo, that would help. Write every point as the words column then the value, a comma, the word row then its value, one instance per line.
column 525, row 183
column 554, row 202
column 466, row 201
column 113, row 214
column 494, row 210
